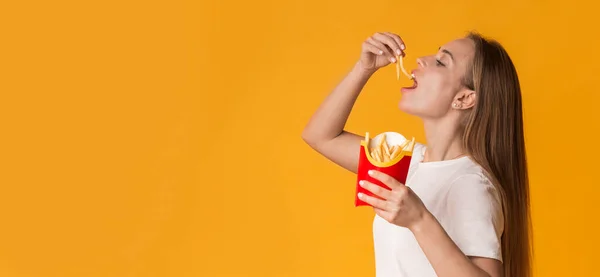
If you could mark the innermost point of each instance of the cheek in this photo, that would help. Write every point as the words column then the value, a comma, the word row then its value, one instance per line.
column 431, row 99
column 436, row 86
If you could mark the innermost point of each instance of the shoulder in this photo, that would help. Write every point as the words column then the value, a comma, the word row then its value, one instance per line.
column 473, row 193
column 471, row 171
column 472, row 180
column 469, row 175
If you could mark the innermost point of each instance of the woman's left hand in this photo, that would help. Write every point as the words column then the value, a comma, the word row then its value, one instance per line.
column 399, row 206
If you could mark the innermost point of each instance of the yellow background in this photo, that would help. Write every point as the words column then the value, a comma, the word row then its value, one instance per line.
column 162, row 138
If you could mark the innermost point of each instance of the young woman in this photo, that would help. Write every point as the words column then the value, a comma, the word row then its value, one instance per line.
column 464, row 210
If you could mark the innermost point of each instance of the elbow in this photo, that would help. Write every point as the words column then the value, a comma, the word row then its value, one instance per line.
column 307, row 137
column 310, row 138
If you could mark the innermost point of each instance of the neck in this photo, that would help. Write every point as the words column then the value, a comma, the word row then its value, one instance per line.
column 444, row 140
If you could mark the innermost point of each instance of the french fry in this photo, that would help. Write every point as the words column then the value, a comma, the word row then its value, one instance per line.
column 400, row 67
column 380, row 145
column 403, row 145
column 386, row 148
column 375, row 155
column 383, row 152
column 386, row 158
column 396, row 153
column 393, row 148
column 411, row 145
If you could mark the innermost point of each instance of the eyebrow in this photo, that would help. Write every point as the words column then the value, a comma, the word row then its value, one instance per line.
column 447, row 52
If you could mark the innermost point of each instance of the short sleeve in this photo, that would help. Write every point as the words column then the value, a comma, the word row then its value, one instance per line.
column 475, row 221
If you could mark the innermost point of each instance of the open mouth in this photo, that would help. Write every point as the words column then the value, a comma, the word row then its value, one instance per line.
column 415, row 83
column 414, row 79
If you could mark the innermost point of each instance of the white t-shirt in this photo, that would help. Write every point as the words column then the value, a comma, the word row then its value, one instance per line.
column 462, row 199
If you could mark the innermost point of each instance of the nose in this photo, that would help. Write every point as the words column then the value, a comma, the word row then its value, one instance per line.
column 421, row 62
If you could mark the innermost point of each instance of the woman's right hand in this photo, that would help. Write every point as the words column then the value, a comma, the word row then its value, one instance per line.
column 379, row 50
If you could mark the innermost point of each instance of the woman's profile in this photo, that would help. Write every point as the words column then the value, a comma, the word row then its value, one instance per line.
column 464, row 210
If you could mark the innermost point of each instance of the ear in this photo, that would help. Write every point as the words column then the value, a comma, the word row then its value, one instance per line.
column 464, row 99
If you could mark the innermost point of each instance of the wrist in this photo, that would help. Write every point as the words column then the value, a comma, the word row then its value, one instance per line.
column 423, row 223
column 362, row 71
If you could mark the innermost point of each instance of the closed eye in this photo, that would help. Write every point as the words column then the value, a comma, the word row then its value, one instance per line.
column 439, row 63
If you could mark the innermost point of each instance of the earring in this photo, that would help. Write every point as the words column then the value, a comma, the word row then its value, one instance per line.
column 455, row 105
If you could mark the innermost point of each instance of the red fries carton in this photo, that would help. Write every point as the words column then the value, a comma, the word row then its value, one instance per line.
column 388, row 152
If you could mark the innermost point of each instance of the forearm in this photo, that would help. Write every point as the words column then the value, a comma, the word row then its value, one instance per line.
column 330, row 118
column 443, row 254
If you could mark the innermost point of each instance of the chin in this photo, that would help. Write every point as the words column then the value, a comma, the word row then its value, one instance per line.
column 410, row 108
column 404, row 106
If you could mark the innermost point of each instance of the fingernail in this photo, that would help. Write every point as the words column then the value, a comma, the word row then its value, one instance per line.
column 380, row 52
column 371, row 172
column 360, row 195
column 399, row 52
column 361, row 183
column 393, row 60
column 402, row 46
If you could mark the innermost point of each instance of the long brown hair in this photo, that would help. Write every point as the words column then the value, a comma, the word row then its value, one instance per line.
column 494, row 139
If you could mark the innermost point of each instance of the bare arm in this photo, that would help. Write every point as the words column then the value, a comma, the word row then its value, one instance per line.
column 325, row 131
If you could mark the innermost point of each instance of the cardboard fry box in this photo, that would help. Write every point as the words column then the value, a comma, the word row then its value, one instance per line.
column 396, row 167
